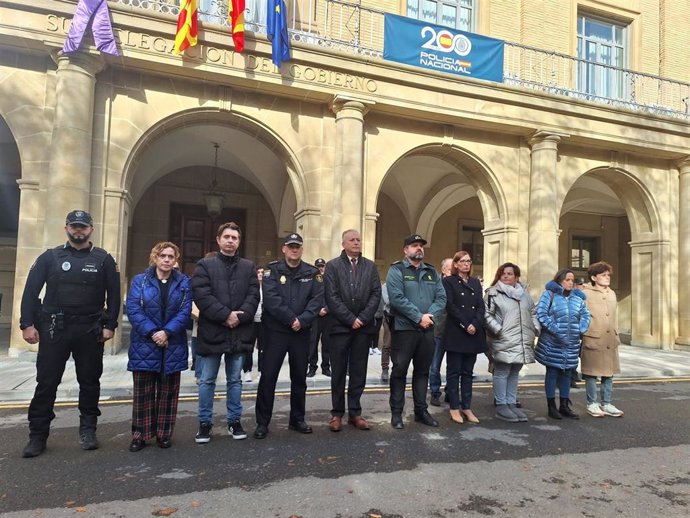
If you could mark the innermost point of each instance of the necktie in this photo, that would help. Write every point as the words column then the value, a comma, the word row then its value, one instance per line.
column 354, row 268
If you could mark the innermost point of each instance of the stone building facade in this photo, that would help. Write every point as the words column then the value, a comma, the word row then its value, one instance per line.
column 544, row 169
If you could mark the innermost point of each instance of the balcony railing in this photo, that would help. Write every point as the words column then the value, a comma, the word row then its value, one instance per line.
column 351, row 28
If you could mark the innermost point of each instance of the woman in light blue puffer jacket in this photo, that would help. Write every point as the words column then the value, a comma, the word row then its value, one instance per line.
column 564, row 317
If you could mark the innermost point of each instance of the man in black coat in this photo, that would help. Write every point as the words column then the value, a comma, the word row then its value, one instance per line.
column 320, row 334
column 353, row 294
column 226, row 291
column 293, row 296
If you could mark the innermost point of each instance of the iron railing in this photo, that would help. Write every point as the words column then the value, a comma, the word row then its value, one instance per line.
column 349, row 27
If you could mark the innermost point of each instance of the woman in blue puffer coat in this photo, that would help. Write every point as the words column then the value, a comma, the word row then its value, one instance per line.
column 159, row 306
column 564, row 318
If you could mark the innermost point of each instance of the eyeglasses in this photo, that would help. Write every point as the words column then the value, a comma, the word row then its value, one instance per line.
column 465, row 261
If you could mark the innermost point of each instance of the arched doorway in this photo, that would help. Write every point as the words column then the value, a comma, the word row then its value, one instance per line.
column 174, row 167
column 10, row 172
column 608, row 215
column 447, row 195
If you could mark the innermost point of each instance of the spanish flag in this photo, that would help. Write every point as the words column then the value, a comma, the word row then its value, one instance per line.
column 187, row 26
column 236, row 12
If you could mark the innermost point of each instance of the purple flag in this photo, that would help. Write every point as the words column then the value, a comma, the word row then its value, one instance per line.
column 96, row 14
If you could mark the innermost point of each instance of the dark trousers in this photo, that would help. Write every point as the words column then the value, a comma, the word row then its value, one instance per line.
column 348, row 350
column 81, row 341
column 260, row 343
column 386, row 346
column 459, row 371
column 296, row 346
column 248, row 361
column 320, row 333
column 416, row 347
column 154, row 404
column 378, row 322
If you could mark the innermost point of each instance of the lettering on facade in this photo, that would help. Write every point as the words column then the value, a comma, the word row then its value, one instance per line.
column 206, row 54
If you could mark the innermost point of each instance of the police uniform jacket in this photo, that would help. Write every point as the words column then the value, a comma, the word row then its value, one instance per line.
column 412, row 292
column 348, row 297
column 147, row 314
column 222, row 284
column 78, row 282
column 291, row 293
column 465, row 307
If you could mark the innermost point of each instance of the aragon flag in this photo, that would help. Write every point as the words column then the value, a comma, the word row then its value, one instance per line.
column 236, row 11
column 187, row 26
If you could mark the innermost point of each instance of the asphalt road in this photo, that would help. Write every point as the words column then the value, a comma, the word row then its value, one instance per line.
column 638, row 465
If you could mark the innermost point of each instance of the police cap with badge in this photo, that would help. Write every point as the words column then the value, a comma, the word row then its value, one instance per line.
column 293, row 239
column 79, row 217
column 414, row 238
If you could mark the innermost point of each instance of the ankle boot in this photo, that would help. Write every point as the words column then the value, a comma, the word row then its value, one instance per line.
column 553, row 411
column 566, row 411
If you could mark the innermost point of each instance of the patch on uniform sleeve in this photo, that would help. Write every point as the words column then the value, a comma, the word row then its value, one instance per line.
column 319, row 277
column 267, row 274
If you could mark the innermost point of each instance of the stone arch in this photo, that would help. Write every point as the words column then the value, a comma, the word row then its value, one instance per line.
column 458, row 175
column 241, row 123
column 645, row 296
column 636, row 199
column 480, row 175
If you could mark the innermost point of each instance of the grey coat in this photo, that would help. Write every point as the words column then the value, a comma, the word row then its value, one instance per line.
column 511, row 323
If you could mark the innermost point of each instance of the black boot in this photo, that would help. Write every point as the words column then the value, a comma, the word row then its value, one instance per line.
column 553, row 411
column 566, row 411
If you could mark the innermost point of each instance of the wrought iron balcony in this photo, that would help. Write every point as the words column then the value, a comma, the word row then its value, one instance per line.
column 351, row 28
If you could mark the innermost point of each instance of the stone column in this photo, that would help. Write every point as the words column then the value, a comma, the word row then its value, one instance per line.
column 684, row 251
column 69, row 173
column 349, row 163
column 29, row 236
column 369, row 235
column 542, row 252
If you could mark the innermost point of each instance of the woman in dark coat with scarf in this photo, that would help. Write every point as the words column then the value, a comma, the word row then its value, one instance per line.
column 564, row 318
column 159, row 306
column 464, row 336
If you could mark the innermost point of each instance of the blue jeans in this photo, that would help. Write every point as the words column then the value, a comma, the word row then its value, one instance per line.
column 560, row 377
column 207, row 385
column 505, row 382
column 435, row 369
column 591, row 388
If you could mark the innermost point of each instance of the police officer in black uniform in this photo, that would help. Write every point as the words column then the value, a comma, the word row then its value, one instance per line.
column 293, row 296
column 79, row 277
column 320, row 334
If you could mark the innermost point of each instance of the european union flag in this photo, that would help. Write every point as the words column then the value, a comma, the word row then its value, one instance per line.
column 276, row 29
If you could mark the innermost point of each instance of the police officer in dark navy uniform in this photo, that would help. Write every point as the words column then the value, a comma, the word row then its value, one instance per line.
column 78, row 277
column 293, row 296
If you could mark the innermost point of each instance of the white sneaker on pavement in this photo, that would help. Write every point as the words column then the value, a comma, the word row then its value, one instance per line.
column 611, row 410
column 248, row 377
column 595, row 410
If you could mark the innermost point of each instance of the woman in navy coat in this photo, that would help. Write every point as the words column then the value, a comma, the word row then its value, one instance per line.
column 564, row 318
column 159, row 305
column 463, row 337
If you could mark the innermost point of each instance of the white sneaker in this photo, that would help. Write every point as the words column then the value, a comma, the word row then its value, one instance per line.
column 594, row 410
column 248, row 377
column 377, row 352
column 611, row 410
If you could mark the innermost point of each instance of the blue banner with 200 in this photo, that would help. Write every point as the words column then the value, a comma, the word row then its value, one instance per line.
column 440, row 48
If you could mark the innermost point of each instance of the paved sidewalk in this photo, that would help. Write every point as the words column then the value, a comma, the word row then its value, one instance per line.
column 17, row 375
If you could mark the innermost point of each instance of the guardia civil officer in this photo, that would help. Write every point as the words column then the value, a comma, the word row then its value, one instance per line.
column 293, row 296
column 79, row 277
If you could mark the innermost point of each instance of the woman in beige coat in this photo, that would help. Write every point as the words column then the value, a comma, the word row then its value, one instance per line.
column 599, row 356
